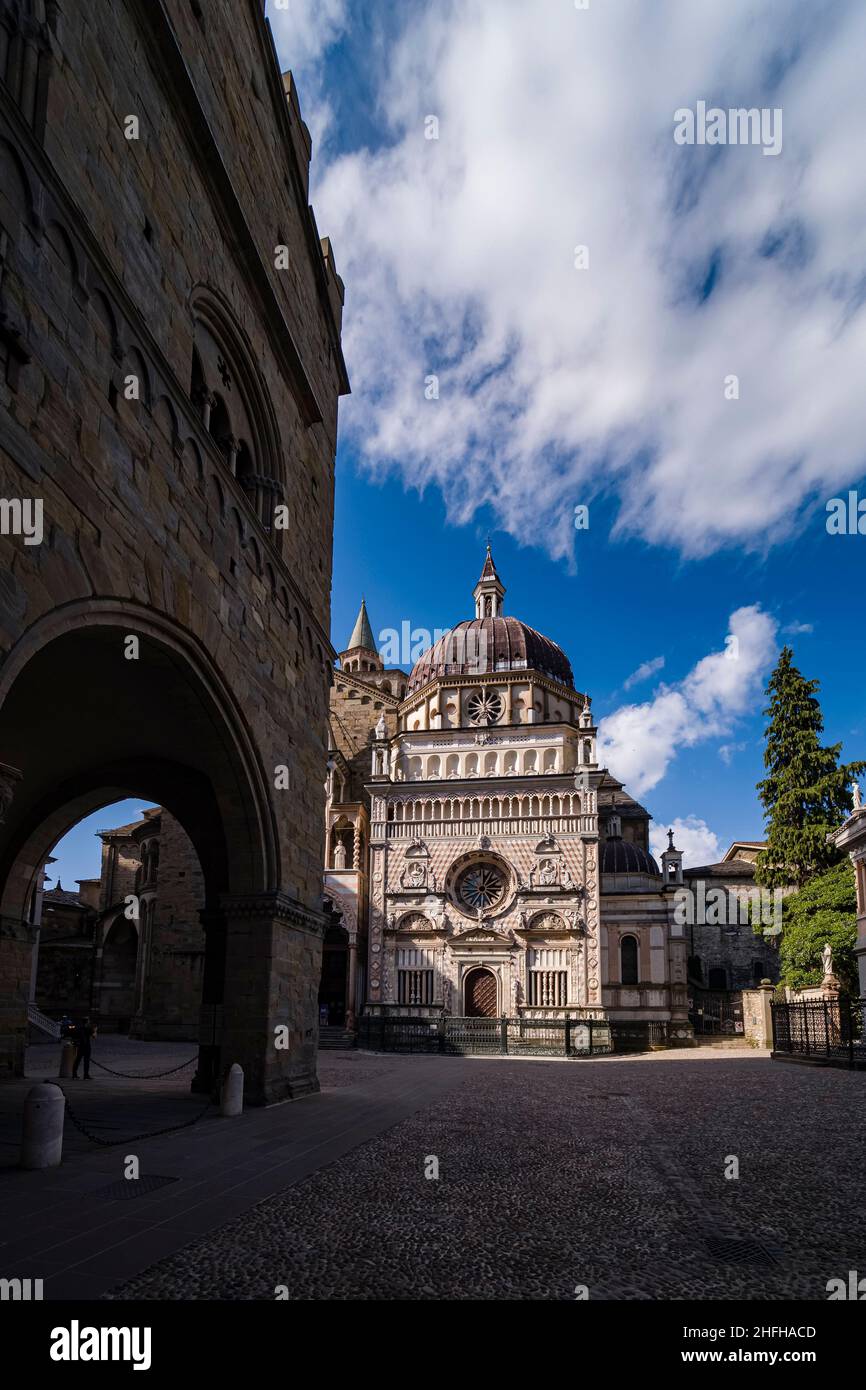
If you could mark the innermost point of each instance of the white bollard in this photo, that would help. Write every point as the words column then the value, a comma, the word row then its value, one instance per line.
column 42, row 1131
column 67, row 1057
column 232, row 1098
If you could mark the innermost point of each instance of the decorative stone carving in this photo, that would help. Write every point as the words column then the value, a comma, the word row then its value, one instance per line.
column 414, row 877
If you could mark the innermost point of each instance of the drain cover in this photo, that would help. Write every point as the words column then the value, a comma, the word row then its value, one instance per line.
column 134, row 1187
column 737, row 1250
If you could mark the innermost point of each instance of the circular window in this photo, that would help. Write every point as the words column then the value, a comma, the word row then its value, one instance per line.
column 485, row 707
column 481, row 886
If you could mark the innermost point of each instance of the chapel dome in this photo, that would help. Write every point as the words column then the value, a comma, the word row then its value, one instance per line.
column 482, row 645
column 622, row 857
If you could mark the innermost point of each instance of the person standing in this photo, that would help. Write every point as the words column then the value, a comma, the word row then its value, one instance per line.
column 82, row 1035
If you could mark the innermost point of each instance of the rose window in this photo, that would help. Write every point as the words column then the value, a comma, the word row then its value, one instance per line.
column 485, row 707
column 482, row 887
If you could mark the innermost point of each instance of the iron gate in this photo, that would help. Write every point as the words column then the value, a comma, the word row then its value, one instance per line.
column 717, row 1013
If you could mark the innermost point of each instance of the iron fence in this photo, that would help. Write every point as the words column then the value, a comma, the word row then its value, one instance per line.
column 518, row 1037
column 828, row 1029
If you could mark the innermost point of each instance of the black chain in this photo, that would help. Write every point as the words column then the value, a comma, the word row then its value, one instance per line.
column 132, row 1138
column 143, row 1075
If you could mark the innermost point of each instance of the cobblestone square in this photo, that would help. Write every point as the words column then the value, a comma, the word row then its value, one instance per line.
column 607, row 1173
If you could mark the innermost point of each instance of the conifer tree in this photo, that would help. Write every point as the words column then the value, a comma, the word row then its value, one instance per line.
column 806, row 792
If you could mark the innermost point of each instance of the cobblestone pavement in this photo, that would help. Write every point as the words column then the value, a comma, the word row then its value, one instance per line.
column 605, row 1173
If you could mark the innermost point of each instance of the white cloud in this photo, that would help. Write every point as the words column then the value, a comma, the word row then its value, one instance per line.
column 795, row 629
column 700, row 844
column 638, row 742
column 727, row 751
column 556, row 129
column 303, row 33
column 643, row 672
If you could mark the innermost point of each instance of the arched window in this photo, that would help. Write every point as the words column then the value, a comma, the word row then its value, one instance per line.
column 25, row 59
column 718, row 979
column 758, row 971
column 628, row 949
column 229, row 394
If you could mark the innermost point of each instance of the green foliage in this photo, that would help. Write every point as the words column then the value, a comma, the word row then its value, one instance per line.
column 825, row 910
column 806, row 792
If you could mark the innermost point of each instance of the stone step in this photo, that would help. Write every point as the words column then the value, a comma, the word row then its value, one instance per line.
column 333, row 1037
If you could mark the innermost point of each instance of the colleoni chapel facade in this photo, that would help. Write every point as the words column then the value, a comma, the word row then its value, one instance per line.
column 479, row 860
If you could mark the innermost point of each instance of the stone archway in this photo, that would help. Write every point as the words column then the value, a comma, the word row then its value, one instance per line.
column 83, row 725
column 479, row 993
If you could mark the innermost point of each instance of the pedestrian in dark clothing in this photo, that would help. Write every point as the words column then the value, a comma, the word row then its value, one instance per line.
column 82, row 1035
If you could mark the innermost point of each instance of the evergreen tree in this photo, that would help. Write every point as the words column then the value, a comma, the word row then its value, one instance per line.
column 806, row 792
column 825, row 910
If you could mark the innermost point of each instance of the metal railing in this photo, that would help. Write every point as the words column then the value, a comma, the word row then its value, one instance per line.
column 816, row 1029
column 42, row 1021
column 456, row 1036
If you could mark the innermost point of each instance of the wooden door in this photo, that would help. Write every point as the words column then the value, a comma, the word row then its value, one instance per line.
column 480, row 994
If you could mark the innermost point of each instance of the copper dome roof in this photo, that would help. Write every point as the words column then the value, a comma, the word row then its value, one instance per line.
column 483, row 645
column 622, row 857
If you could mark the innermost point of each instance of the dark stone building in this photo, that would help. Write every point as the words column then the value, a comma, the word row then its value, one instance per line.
column 129, row 947
column 725, row 953
column 170, row 367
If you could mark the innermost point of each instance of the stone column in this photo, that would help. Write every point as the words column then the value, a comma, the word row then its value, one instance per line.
column 352, row 982
column 273, row 966
column 16, row 949
column 208, row 1076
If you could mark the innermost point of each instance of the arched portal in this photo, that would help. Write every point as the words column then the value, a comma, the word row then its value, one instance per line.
column 479, row 993
column 117, row 974
column 89, row 716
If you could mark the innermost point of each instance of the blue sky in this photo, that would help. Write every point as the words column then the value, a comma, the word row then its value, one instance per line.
column 604, row 385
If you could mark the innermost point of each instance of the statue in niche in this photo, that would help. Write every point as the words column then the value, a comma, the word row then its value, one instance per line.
column 339, row 855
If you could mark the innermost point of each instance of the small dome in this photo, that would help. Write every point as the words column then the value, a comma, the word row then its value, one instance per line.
column 483, row 645
column 622, row 857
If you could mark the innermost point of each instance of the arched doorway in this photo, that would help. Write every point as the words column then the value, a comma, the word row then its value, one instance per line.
column 117, row 981
column 479, row 993
column 164, row 727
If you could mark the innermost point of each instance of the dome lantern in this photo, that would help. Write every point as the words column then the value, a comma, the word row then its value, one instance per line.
column 489, row 591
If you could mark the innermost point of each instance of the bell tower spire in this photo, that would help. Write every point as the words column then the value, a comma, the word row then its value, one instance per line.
column 489, row 591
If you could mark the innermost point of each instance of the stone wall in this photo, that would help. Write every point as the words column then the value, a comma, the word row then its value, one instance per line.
column 115, row 252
